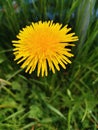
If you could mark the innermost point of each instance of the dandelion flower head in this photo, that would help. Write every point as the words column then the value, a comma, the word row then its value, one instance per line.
column 44, row 46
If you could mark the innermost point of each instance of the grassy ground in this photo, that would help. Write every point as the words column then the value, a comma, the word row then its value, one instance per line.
column 67, row 100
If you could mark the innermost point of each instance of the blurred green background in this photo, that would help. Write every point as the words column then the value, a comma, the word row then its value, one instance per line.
column 67, row 100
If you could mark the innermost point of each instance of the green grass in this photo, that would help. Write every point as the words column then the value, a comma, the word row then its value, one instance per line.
column 66, row 100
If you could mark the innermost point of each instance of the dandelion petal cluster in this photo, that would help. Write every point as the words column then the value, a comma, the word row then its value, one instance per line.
column 43, row 46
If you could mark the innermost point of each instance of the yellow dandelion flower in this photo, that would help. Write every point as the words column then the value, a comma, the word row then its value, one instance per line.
column 44, row 45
